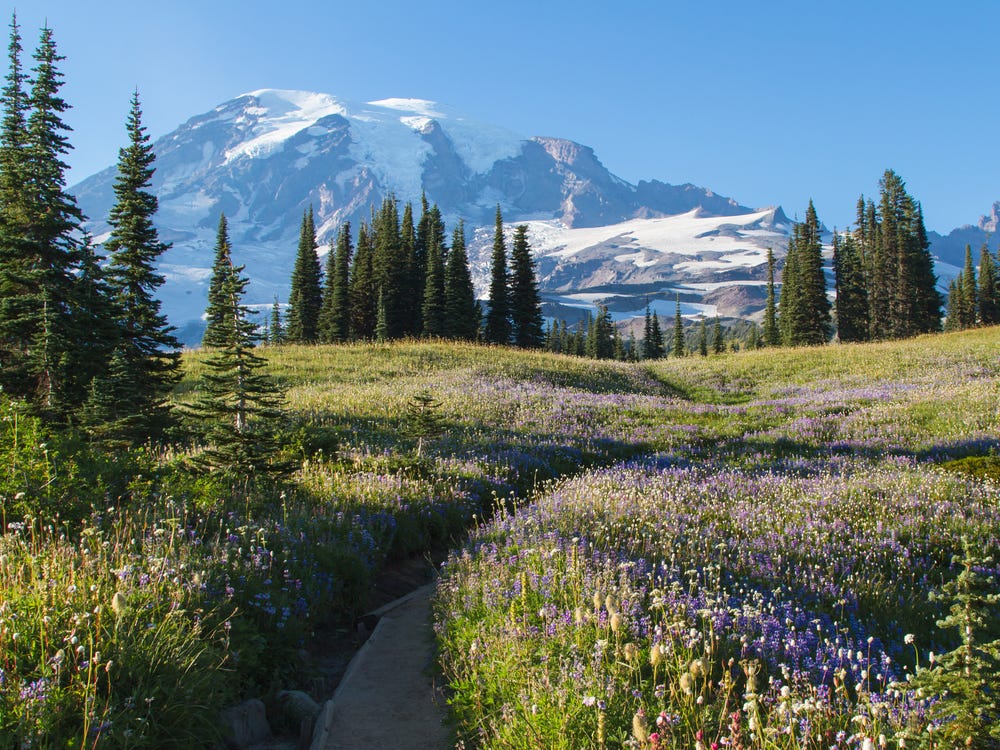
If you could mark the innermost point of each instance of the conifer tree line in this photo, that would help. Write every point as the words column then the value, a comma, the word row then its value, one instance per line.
column 597, row 337
column 975, row 300
column 401, row 278
column 82, row 339
column 885, row 281
column 883, row 273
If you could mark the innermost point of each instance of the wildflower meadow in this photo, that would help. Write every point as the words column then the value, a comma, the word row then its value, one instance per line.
column 748, row 550
column 775, row 582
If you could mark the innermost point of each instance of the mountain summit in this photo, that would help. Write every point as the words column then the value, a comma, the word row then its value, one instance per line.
column 266, row 156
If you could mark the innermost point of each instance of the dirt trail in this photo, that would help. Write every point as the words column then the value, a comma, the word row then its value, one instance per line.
column 388, row 697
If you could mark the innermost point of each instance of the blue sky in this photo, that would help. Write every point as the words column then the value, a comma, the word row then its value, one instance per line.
column 768, row 103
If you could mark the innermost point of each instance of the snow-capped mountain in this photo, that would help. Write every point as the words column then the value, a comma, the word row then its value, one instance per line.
column 265, row 157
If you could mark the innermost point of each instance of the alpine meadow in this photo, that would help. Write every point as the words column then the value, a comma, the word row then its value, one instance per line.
column 678, row 473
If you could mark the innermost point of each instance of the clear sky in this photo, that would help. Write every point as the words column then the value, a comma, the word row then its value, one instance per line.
column 766, row 102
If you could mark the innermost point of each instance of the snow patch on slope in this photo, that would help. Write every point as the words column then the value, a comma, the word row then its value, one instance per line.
column 684, row 234
column 282, row 114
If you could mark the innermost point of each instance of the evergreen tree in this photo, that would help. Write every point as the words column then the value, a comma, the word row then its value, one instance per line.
column 145, row 344
column 95, row 319
column 335, row 314
column 276, row 328
column 461, row 314
column 703, row 338
column 390, row 268
column 753, row 337
column 962, row 683
column 718, row 340
column 928, row 301
column 902, row 287
column 306, row 296
column 498, row 326
column 659, row 347
column 805, row 309
column 215, row 313
column 852, row 295
column 418, row 261
column 989, row 295
column 40, row 254
column 647, row 333
column 652, row 342
column 678, row 347
column 600, row 342
column 239, row 405
column 969, row 310
column 772, row 336
column 363, row 293
column 433, row 310
column 790, row 308
column 816, row 311
column 956, row 307
column 414, row 276
column 525, row 302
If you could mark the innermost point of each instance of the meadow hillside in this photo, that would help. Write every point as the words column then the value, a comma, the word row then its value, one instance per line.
column 734, row 549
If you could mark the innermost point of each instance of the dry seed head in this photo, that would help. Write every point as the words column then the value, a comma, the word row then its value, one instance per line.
column 119, row 603
column 616, row 622
column 687, row 683
column 609, row 603
column 639, row 730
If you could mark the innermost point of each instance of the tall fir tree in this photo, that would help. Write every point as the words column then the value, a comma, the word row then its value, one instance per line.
column 40, row 253
column 955, row 303
column 902, row 288
column 718, row 339
column 652, row 336
column 989, row 293
column 335, row 314
column 678, row 344
column 418, row 264
column 658, row 349
column 306, row 296
column 772, row 336
column 239, row 404
column 461, row 313
column 324, row 322
column 525, row 302
column 928, row 301
column 96, row 319
column 363, row 293
column 805, row 309
column 790, row 307
column 390, row 268
column 276, row 327
column 703, row 338
column 144, row 343
column 414, row 278
column 851, row 291
column 600, row 338
column 817, row 304
column 215, row 312
column 970, row 292
column 498, row 326
column 433, row 310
